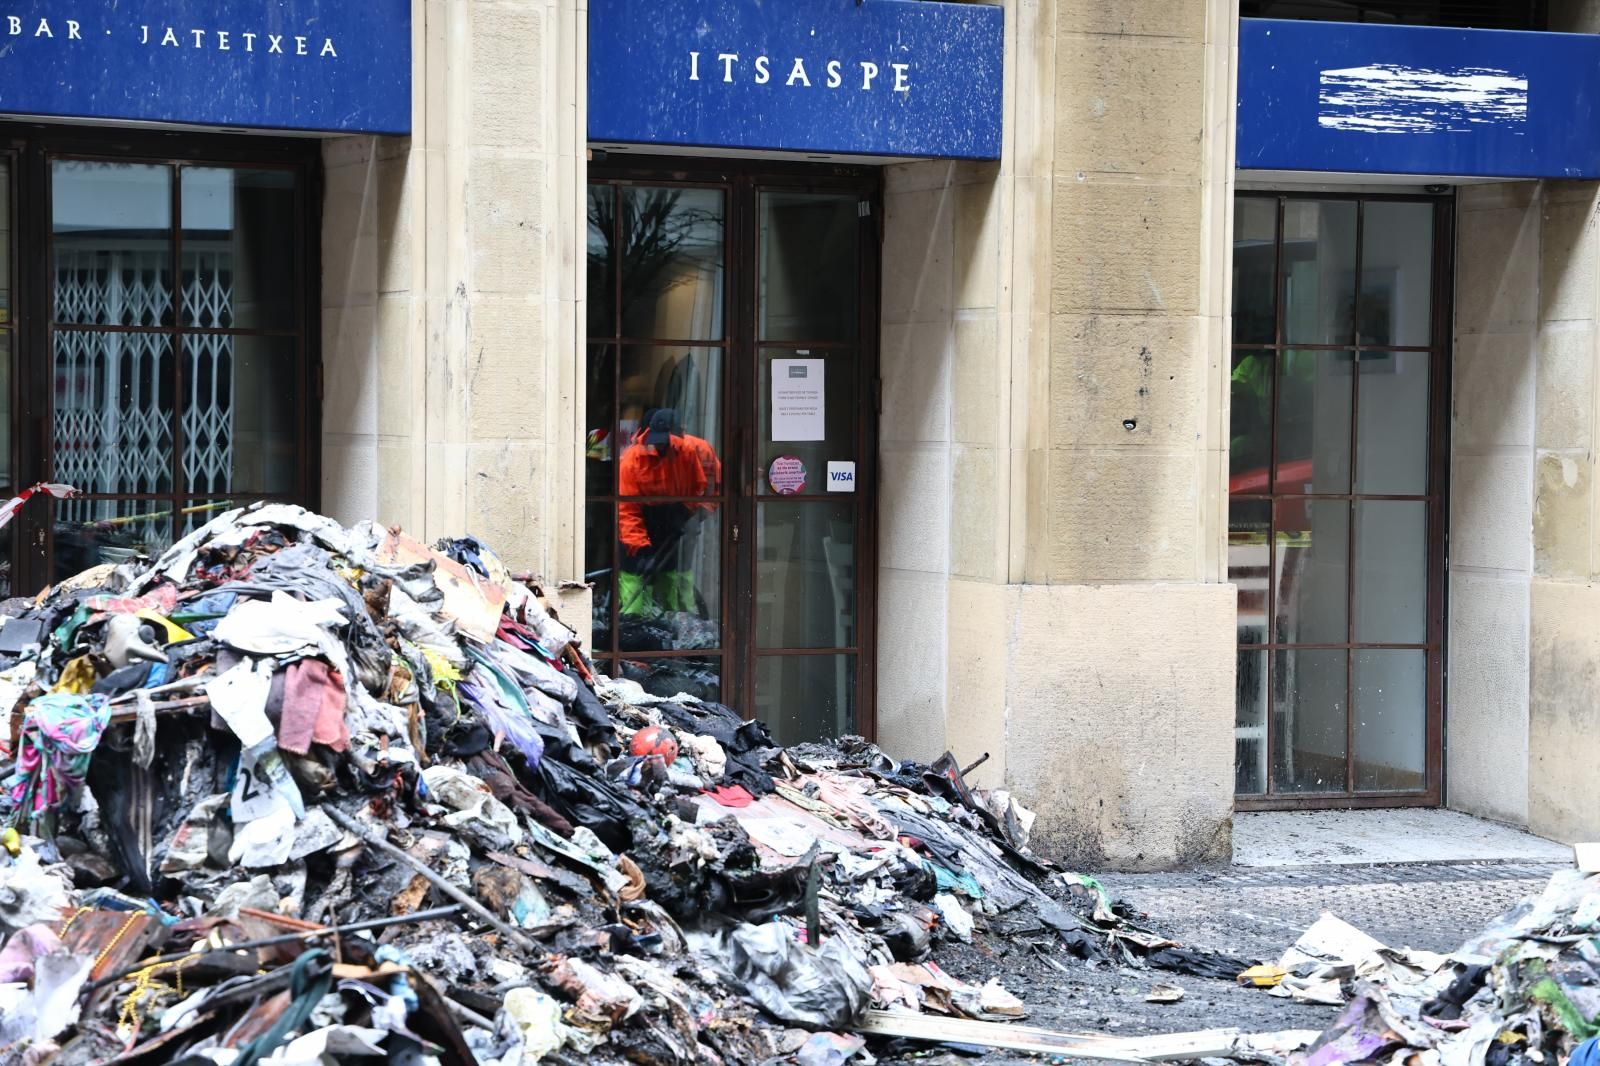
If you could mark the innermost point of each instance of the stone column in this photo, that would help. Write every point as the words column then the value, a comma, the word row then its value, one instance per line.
column 451, row 289
column 1054, row 363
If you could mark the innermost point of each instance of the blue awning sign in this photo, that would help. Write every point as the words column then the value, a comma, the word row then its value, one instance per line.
column 1367, row 98
column 314, row 65
column 876, row 78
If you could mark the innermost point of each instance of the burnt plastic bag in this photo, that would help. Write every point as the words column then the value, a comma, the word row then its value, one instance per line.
column 826, row 988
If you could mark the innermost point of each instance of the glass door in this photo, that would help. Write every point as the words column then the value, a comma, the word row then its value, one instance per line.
column 1337, row 474
column 728, row 443
column 809, row 447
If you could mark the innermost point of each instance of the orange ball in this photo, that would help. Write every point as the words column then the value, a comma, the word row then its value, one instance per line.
column 655, row 740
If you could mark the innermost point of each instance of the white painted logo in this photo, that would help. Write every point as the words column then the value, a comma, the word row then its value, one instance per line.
column 1389, row 98
column 830, row 73
column 232, row 39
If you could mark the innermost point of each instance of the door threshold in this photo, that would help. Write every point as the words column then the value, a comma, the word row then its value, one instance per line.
column 1382, row 837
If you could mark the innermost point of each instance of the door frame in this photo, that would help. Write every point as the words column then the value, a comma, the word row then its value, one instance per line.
column 1438, row 535
column 32, row 148
column 743, row 179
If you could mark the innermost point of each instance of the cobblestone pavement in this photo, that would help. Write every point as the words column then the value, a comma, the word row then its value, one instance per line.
column 1259, row 912
column 1255, row 914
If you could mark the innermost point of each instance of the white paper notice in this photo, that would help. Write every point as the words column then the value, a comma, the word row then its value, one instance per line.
column 797, row 400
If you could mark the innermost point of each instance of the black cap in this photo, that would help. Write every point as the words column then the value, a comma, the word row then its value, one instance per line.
column 660, row 427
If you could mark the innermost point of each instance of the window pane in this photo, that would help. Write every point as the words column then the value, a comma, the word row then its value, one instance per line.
column 6, row 248
column 1250, row 564
column 1250, row 724
column 600, row 444
column 1250, row 444
column 1313, row 561
column 1391, row 721
column 1319, row 271
column 239, row 245
column 1391, row 572
column 1392, row 437
column 7, row 484
column 680, row 390
column 1397, row 273
column 602, row 295
column 1309, row 740
column 1314, row 414
column 113, row 411
column 670, row 576
column 91, row 532
column 806, row 697
column 808, row 267
column 672, row 271
column 599, row 548
column 1255, row 230
column 112, row 243
column 805, row 575
column 840, row 413
column 700, row 678
column 240, row 416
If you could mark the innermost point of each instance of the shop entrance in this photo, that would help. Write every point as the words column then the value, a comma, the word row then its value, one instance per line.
column 731, row 429
column 1337, row 509
column 157, row 323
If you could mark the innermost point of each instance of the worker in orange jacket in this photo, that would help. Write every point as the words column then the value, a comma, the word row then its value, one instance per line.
column 657, row 538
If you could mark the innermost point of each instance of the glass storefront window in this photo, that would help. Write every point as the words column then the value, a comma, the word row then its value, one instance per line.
column 177, row 349
column 1333, row 540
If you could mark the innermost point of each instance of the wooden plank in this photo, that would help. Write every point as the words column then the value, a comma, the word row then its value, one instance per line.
column 1205, row 1044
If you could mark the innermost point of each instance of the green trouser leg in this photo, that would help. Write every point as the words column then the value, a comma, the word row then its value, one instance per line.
column 675, row 590
column 634, row 590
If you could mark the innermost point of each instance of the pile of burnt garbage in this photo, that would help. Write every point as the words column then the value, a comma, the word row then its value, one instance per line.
column 296, row 792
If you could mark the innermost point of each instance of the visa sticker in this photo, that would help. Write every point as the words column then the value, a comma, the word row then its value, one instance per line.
column 841, row 477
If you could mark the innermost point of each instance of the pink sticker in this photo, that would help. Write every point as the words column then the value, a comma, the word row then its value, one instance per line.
column 786, row 475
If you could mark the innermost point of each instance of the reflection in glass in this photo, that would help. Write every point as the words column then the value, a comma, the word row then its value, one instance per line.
column 113, row 411
column 112, row 243
column 1397, row 273
column 1250, row 565
column 600, row 451
column 840, row 416
column 1309, row 741
column 1250, row 724
column 1319, row 271
column 1313, row 561
column 91, row 532
column 808, row 266
column 601, row 299
column 1391, row 720
column 1314, row 415
column 684, row 382
column 1391, row 572
column 805, row 575
column 599, row 546
column 671, row 261
column 669, row 579
column 1392, row 438
column 238, row 248
column 700, row 678
column 239, row 414
column 1255, row 231
column 806, row 697
column 1250, row 446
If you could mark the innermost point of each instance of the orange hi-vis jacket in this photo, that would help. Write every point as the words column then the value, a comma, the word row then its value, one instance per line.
column 642, row 472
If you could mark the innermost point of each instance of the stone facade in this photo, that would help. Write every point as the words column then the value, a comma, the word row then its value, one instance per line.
column 1066, row 614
